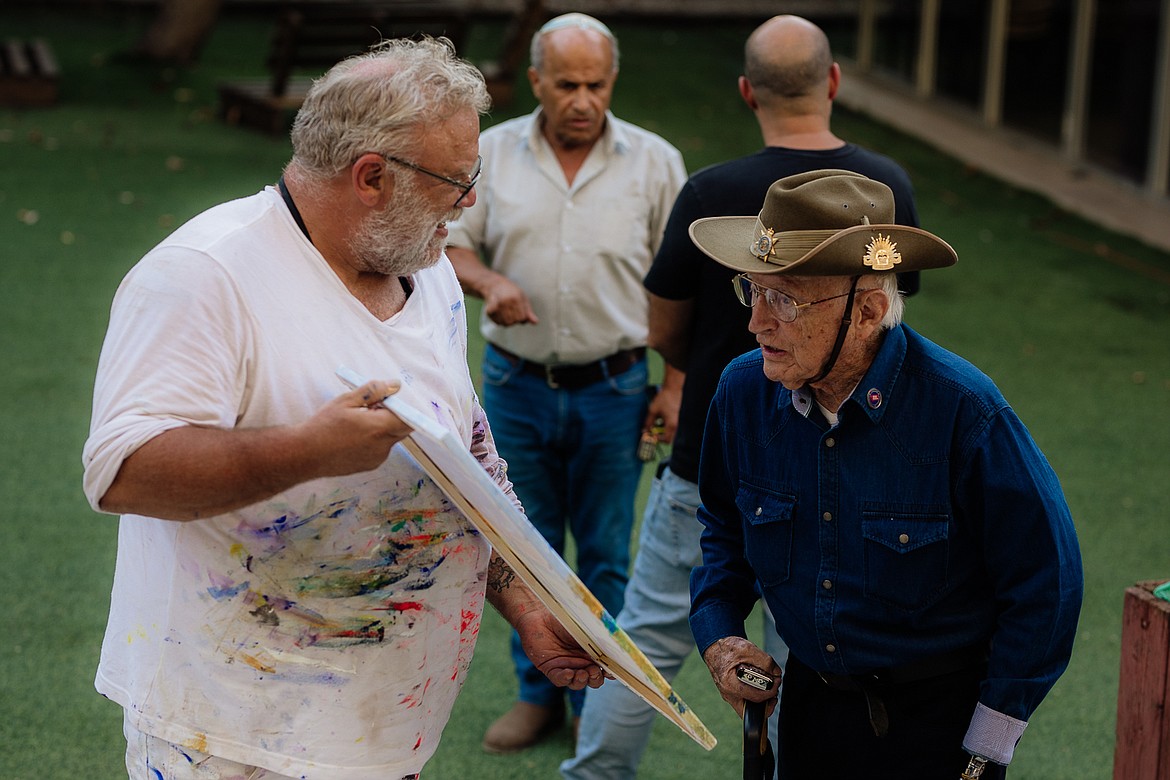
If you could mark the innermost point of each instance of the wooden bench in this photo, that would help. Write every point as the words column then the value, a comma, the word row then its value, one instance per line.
column 316, row 37
column 29, row 75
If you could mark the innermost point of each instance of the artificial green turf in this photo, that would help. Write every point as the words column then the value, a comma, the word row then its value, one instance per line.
column 1070, row 320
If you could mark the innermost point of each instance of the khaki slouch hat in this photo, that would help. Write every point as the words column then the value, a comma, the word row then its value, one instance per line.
column 822, row 223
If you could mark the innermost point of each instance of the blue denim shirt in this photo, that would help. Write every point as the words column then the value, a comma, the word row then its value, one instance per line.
column 926, row 521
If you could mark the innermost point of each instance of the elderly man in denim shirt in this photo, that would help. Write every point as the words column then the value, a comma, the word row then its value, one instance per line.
column 908, row 535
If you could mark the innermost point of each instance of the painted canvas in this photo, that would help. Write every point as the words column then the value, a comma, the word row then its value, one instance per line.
column 468, row 486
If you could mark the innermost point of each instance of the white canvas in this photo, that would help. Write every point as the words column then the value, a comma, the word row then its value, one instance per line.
column 469, row 487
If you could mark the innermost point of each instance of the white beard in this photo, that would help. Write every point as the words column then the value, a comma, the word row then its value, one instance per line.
column 399, row 239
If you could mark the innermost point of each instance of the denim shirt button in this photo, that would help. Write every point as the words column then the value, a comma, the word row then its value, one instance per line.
column 830, row 648
column 904, row 538
column 830, row 442
column 827, row 517
column 759, row 511
column 827, row 584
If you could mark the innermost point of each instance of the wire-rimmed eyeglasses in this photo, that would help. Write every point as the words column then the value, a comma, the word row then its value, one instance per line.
column 464, row 187
column 782, row 305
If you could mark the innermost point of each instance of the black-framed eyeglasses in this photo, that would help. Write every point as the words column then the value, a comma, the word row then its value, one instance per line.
column 464, row 187
column 782, row 305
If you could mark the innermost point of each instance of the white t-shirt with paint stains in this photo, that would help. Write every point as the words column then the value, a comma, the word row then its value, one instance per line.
column 325, row 632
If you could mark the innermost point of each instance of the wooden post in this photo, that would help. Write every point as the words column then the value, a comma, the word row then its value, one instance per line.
column 1143, row 723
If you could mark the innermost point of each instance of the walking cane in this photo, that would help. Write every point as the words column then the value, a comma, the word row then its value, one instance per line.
column 758, row 761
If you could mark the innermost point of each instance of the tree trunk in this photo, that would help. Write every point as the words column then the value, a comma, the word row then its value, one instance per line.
column 179, row 30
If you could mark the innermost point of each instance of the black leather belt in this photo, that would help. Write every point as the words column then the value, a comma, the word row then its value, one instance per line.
column 570, row 376
column 872, row 684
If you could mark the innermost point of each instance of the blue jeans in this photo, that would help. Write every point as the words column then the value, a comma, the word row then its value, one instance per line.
column 572, row 458
column 616, row 723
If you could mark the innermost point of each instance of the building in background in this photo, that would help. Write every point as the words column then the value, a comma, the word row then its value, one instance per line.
column 1089, row 77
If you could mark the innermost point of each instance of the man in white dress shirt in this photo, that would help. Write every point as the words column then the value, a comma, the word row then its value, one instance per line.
column 571, row 210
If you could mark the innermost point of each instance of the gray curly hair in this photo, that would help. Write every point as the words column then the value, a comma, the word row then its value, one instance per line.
column 379, row 100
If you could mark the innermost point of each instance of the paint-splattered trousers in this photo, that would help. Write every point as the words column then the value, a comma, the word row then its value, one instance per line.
column 151, row 758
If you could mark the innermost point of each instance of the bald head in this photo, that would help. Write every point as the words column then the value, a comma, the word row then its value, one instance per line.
column 787, row 58
column 573, row 27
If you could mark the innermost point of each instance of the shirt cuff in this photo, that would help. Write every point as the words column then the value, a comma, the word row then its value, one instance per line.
column 711, row 624
column 993, row 735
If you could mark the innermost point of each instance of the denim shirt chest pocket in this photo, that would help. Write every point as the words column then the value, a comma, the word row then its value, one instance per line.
column 906, row 555
column 767, row 517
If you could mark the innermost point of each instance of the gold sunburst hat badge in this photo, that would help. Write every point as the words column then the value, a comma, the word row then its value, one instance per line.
column 882, row 254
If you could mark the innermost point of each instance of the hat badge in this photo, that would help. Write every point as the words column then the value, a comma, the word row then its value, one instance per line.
column 765, row 245
column 882, row 254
